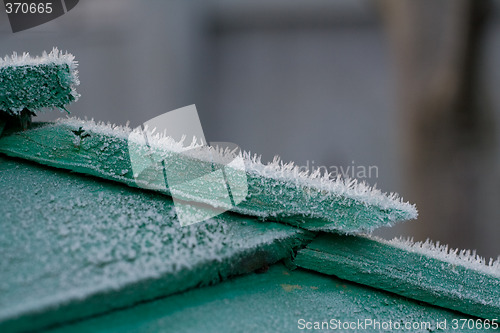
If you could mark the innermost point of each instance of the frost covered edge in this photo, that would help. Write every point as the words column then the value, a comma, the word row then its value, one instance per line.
column 466, row 258
column 55, row 57
column 277, row 169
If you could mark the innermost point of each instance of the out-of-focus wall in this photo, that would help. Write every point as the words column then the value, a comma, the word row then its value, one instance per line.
column 308, row 80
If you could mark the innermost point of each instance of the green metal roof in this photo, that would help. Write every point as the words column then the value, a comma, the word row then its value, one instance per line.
column 87, row 252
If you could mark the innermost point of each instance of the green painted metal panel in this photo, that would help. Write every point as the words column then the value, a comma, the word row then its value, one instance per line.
column 275, row 302
column 452, row 284
column 73, row 246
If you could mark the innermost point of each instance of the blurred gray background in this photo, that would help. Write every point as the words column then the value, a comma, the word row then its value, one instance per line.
column 411, row 87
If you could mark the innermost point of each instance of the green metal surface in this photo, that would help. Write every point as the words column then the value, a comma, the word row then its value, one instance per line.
column 404, row 272
column 275, row 301
column 73, row 246
column 103, row 152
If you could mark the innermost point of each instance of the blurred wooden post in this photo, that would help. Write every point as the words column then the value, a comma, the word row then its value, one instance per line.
column 435, row 47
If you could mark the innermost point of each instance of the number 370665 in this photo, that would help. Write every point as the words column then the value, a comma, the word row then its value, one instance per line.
column 28, row 8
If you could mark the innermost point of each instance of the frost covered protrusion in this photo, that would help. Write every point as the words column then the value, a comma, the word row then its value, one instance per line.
column 56, row 58
column 467, row 258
